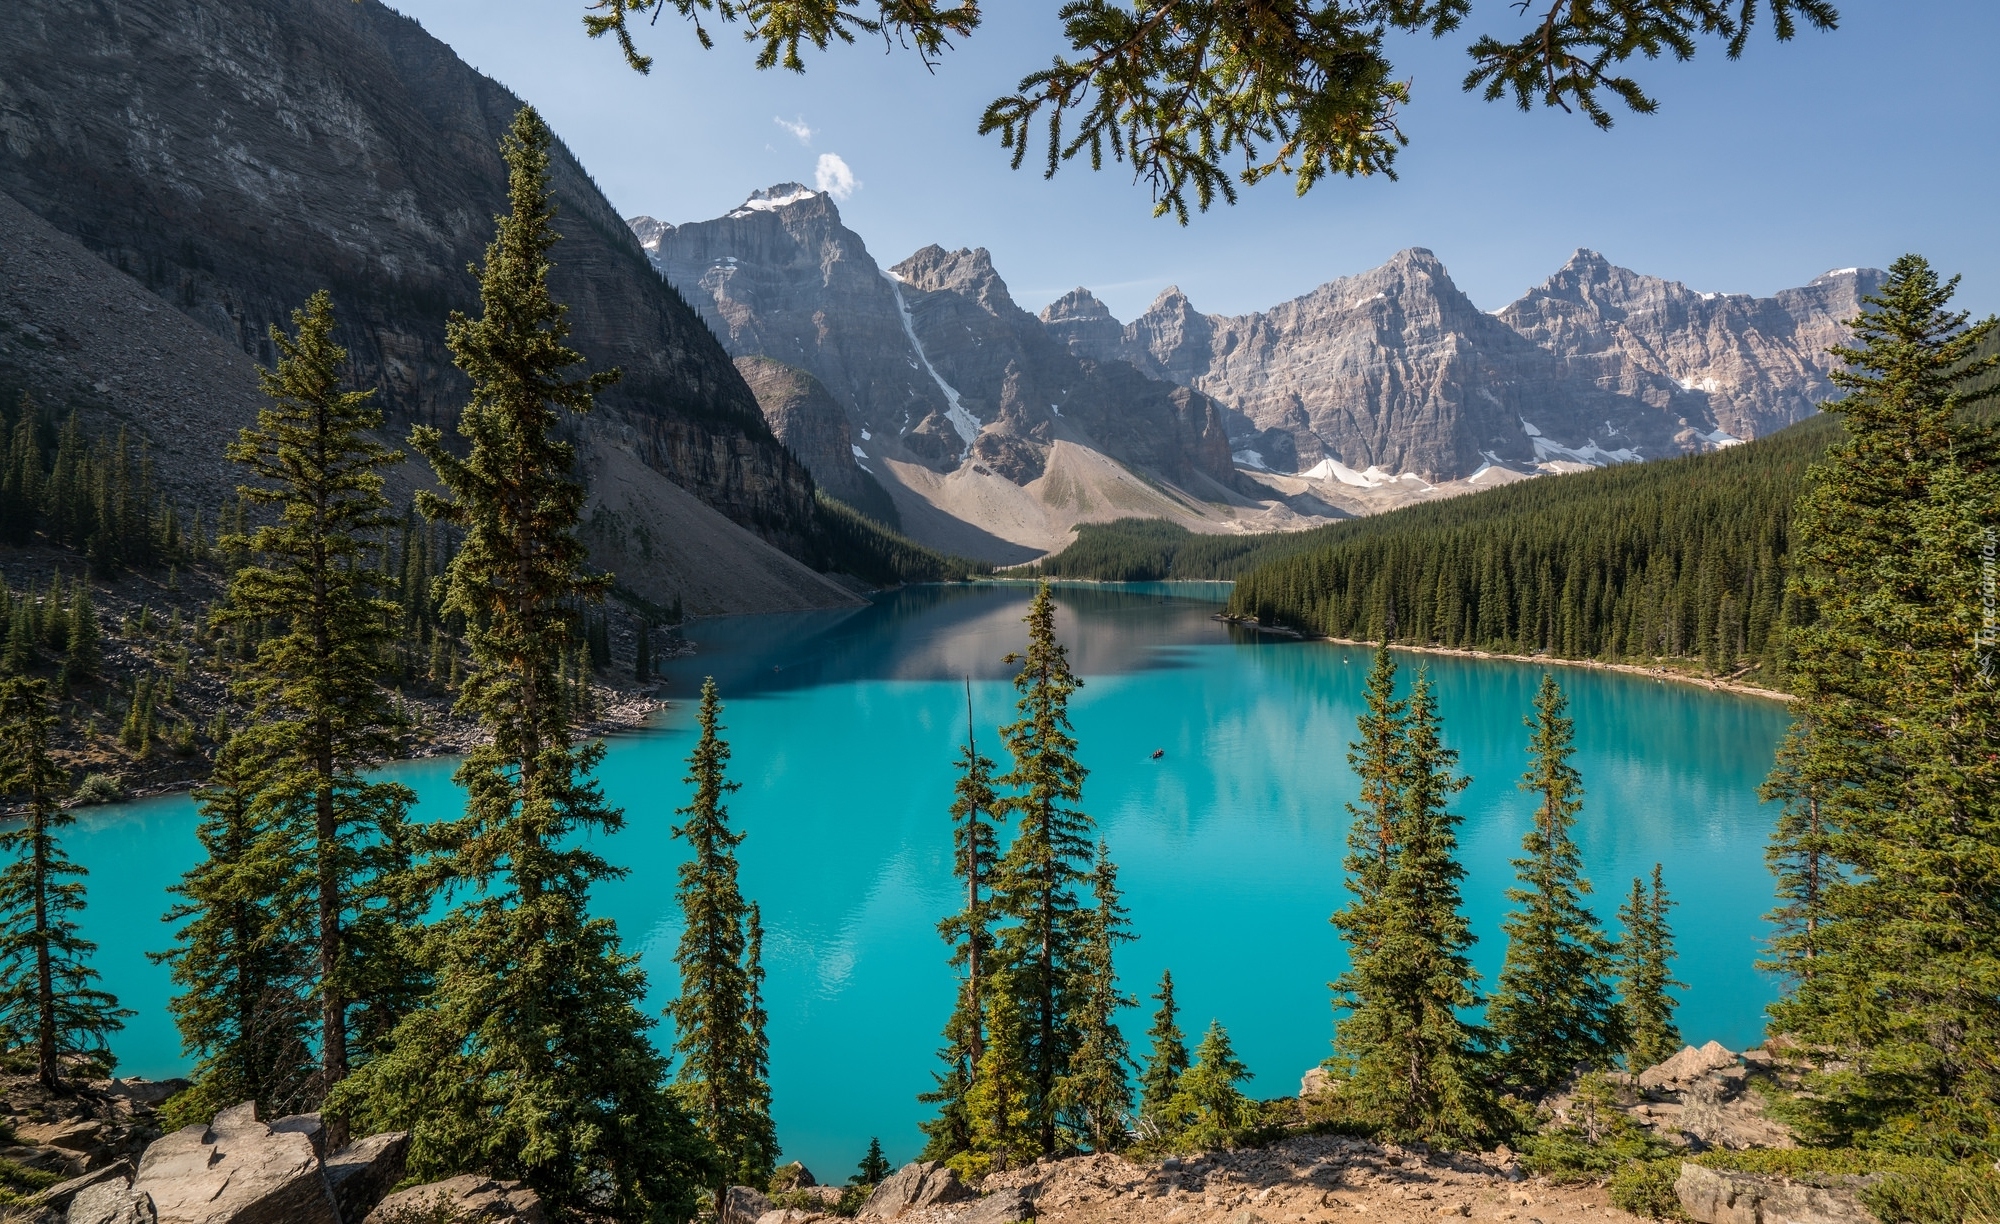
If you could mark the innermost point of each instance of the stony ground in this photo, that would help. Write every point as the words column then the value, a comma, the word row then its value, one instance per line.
column 1307, row 1180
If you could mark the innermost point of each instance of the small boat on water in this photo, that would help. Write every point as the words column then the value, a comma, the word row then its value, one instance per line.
column 1158, row 753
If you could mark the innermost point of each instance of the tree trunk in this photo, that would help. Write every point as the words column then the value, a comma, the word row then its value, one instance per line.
column 46, row 1065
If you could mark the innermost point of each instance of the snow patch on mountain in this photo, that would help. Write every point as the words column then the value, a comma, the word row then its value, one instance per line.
column 963, row 421
column 771, row 199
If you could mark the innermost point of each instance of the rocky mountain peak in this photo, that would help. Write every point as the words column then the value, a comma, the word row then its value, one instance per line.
column 1083, row 324
column 968, row 273
column 650, row 231
column 1079, row 305
column 780, row 195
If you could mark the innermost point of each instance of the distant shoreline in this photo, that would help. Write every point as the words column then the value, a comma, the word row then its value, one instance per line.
column 1632, row 669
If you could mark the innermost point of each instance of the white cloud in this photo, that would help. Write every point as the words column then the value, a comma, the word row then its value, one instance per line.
column 834, row 178
column 797, row 127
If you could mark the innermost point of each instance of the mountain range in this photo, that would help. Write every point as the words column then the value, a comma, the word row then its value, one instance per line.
column 993, row 431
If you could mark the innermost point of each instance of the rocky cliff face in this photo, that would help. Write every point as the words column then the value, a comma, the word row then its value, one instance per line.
column 1393, row 369
column 1396, row 369
column 935, row 365
column 1751, row 365
column 813, row 426
column 235, row 155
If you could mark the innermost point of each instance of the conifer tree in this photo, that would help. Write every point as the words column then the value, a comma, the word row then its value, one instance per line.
column 1000, row 1103
column 243, row 1008
column 1209, row 1109
column 319, row 715
column 1167, row 1058
column 48, row 998
column 1379, row 759
column 969, row 934
column 1555, row 1009
column 1035, row 883
column 531, row 1059
column 1801, row 851
column 1646, row 954
column 1095, row 1093
column 84, row 650
column 1892, row 780
column 1415, row 1066
column 718, row 1034
column 874, row 1166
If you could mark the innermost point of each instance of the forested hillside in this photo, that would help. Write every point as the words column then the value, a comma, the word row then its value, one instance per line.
column 1675, row 561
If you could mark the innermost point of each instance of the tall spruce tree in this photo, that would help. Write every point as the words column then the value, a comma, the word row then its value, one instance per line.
column 1801, row 853
column 1414, row 1065
column 1094, row 1095
column 240, row 964
column 718, row 1034
column 1892, row 778
column 1167, row 1056
column 1646, row 954
column 1036, row 881
column 319, row 714
column 969, row 934
column 48, row 998
column 531, row 1059
column 1208, row 1110
column 1555, row 1008
column 1000, row 1103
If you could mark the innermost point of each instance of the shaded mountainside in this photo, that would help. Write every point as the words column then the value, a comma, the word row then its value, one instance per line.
column 990, row 436
column 232, row 156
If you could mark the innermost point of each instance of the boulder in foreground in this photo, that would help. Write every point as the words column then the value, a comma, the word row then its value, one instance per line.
column 919, row 1184
column 468, row 1197
column 1718, row 1196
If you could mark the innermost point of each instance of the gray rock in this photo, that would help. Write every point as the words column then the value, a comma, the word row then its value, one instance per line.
column 309, row 1125
column 1687, row 1066
column 1008, row 1206
column 236, row 1170
column 790, row 1215
column 916, row 1185
column 743, row 1205
column 111, row 1202
column 1314, row 1082
column 58, row 1196
column 361, row 1174
column 1716, row 1196
column 793, row 1176
column 467, row 1197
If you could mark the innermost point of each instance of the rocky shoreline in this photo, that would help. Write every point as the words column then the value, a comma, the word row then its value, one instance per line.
column 1721, row 684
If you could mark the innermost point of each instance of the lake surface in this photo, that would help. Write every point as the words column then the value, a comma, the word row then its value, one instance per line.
column 845, row 726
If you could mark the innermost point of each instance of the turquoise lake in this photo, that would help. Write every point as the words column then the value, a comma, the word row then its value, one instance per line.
column 845, row 726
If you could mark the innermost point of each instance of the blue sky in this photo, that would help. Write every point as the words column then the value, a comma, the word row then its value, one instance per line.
column 1831, row 151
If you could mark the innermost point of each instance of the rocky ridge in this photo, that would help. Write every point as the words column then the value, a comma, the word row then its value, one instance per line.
column 1396, row 370
column 1748, row 365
